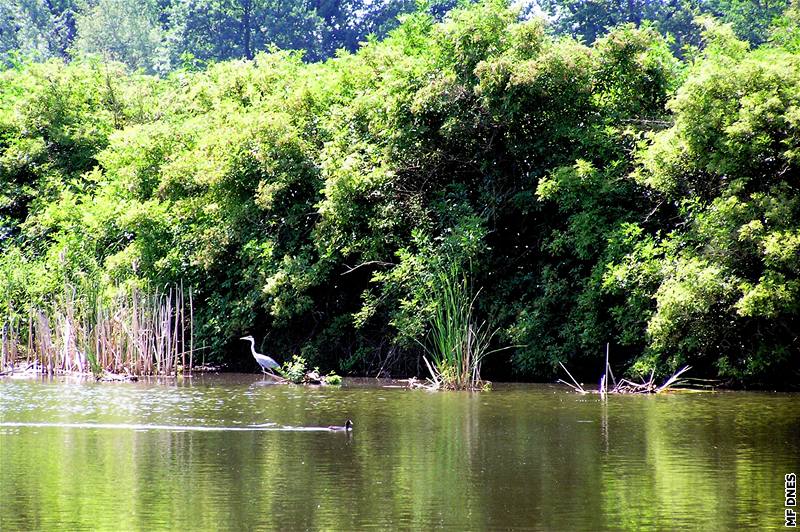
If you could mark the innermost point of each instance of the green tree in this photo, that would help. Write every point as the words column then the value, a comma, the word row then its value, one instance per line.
column 591, row 19
column 724, row 274
column 126, row 31
column 751, row 19
column 36, row 29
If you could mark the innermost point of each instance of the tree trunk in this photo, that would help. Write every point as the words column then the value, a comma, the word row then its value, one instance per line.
column 247, row 7
column 633, row 13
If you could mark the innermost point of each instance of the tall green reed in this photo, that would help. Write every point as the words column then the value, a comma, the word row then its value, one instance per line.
column 458, row 341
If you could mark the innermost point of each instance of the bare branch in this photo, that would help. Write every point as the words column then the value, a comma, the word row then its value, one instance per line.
column 368, row 263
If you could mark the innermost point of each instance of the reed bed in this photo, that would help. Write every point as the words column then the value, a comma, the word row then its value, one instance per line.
column 132, row 333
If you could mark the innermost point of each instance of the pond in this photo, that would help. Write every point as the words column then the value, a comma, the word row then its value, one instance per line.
column 230, row 452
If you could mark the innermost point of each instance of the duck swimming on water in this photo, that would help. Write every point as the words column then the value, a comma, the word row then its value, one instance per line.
column 348, row 426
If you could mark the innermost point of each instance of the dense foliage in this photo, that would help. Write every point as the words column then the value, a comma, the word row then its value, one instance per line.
column 590, row 194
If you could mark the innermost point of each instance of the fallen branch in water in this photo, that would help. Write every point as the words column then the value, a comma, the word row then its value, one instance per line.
column 673, row 380
column 416, row 384
column 116, row 377
column 625, row 386
column 577, row 387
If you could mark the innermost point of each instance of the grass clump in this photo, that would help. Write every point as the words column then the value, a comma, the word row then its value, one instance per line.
column 333, row 379
column 296, row 371
column 293, row 370
column 458, row 340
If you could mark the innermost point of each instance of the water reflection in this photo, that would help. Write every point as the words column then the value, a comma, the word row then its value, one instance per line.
column 145, row 456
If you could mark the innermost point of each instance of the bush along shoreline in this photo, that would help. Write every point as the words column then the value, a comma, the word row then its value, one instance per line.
column 586, row 194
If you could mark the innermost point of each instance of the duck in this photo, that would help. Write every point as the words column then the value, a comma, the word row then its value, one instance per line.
column 348, row 426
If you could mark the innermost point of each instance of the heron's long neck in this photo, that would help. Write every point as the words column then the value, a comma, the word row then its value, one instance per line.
column 252, row 346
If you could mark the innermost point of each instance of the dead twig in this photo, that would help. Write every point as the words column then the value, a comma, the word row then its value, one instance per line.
column 577, row 386
column 625, row 386
column 368, row 263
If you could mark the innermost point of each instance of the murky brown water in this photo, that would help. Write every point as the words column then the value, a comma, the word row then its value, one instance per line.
column 106, row 456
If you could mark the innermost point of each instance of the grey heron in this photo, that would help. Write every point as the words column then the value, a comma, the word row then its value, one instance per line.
column 266, row 363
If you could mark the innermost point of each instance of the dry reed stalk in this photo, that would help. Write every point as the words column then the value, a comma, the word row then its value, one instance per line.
column 30, row 338
column 167, row 327
column 71, row 360
column 137, row 352
column 4, row 348
column 45, row 340
column 191, row 330
column 13, row 339
column 176, row 322
column 183, row 329
column 134, row 333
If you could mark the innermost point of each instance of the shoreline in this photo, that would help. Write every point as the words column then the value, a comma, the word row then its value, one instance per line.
column 350, row 382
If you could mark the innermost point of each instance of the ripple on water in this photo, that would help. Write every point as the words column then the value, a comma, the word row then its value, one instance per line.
column 225, row 453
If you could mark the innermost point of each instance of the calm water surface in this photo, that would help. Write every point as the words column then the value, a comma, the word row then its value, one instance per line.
column 141, row 456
